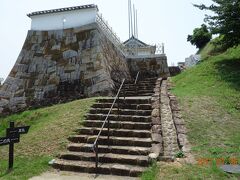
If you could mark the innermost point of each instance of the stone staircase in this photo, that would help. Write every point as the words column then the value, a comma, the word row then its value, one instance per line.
column 143, row 87
column 127, row 151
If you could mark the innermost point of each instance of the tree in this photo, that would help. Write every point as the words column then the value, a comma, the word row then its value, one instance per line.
column 225, row 21
column 201, row 36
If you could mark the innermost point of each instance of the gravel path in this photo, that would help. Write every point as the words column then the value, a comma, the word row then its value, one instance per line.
column 62, row 175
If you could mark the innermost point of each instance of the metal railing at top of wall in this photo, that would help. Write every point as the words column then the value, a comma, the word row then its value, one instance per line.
column 112, row 36
column 108, row 31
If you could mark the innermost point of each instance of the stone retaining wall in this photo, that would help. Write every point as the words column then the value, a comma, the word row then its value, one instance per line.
column 62, row 64
column 170, row 143
column 181, row 130
column 168, row 128
column 153, row 65
column 156, row 131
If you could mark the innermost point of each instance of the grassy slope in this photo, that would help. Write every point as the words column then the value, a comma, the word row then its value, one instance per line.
column 209, row 96
column 47, row 136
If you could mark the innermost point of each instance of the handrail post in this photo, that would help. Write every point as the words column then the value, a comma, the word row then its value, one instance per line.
column 136, row 89
column 135, row 83
column 108, row 131
column 118, row 106
column 96, row 159
column 124, row 93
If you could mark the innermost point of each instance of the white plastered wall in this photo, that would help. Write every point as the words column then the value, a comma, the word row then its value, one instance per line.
column 63, row 20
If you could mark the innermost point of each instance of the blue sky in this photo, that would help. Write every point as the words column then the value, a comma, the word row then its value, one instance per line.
column 159, row 21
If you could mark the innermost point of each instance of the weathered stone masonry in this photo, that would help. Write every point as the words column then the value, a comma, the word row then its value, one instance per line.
column 156, row 130
column 181, row 130
column 168, row 127
column 156, row 65
column 80, row 57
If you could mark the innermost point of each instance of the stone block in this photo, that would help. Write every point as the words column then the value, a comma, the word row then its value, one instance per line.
column 181, row 129
column 4, row 102
column 174, row 105
column 156, row 105
column 176, row 114
column 69, row 54
column 16, row 101
column 157, row 149
column 156, row 138
column 153, row 157
column 155, row 113
column 69, row 68
column 156, row 129
column 156, row 120
column 54, row 80
column 178, row 121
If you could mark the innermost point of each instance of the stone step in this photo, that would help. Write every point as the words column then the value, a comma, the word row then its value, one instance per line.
column 118, row 124
column 150, row 79
column 121, row 111
column 137, row 91
column 143, row 88
column 138, row 160
column 127, row 101
column 113, row 117
column 147, row 81
column 139, row 85
column 110, row 149
column 124, row 106
column 146, row 84
column 106, row 168
column 115, row 141
column 115, row 132
column 137, row 94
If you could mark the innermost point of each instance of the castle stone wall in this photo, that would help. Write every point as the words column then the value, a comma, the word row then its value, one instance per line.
column 156, row 65
column 62, row 64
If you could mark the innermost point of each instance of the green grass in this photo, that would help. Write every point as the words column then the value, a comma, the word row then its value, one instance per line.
column 151, row 173
column 163, row 170
column 213, row 48
column 209, row 96
column 46, row 138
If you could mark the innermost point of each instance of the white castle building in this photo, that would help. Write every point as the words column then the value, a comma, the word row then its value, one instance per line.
column 77, row 16
column 63, row 18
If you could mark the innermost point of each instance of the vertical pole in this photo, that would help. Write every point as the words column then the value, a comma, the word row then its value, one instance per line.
column 129, row 21
column 96, row 151
column 108, row 131
column 11, row 151
column 124, row 93
column 136, row 24
column 131, row 18
column 134, row 21
column 162, row 48
column 118, row 106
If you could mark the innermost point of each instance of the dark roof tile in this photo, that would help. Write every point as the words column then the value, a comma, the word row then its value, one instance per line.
column 62, row 10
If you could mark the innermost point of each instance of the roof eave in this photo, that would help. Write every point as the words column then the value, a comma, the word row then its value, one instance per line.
column 52, row 11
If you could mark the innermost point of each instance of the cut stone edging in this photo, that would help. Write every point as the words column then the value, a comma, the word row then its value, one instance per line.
column 168, row 130
column 181, row 130
column 169, row 133
column 156, row 130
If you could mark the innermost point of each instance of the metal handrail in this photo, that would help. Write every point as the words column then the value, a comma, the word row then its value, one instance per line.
column 136, row 77
column 95, row 144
